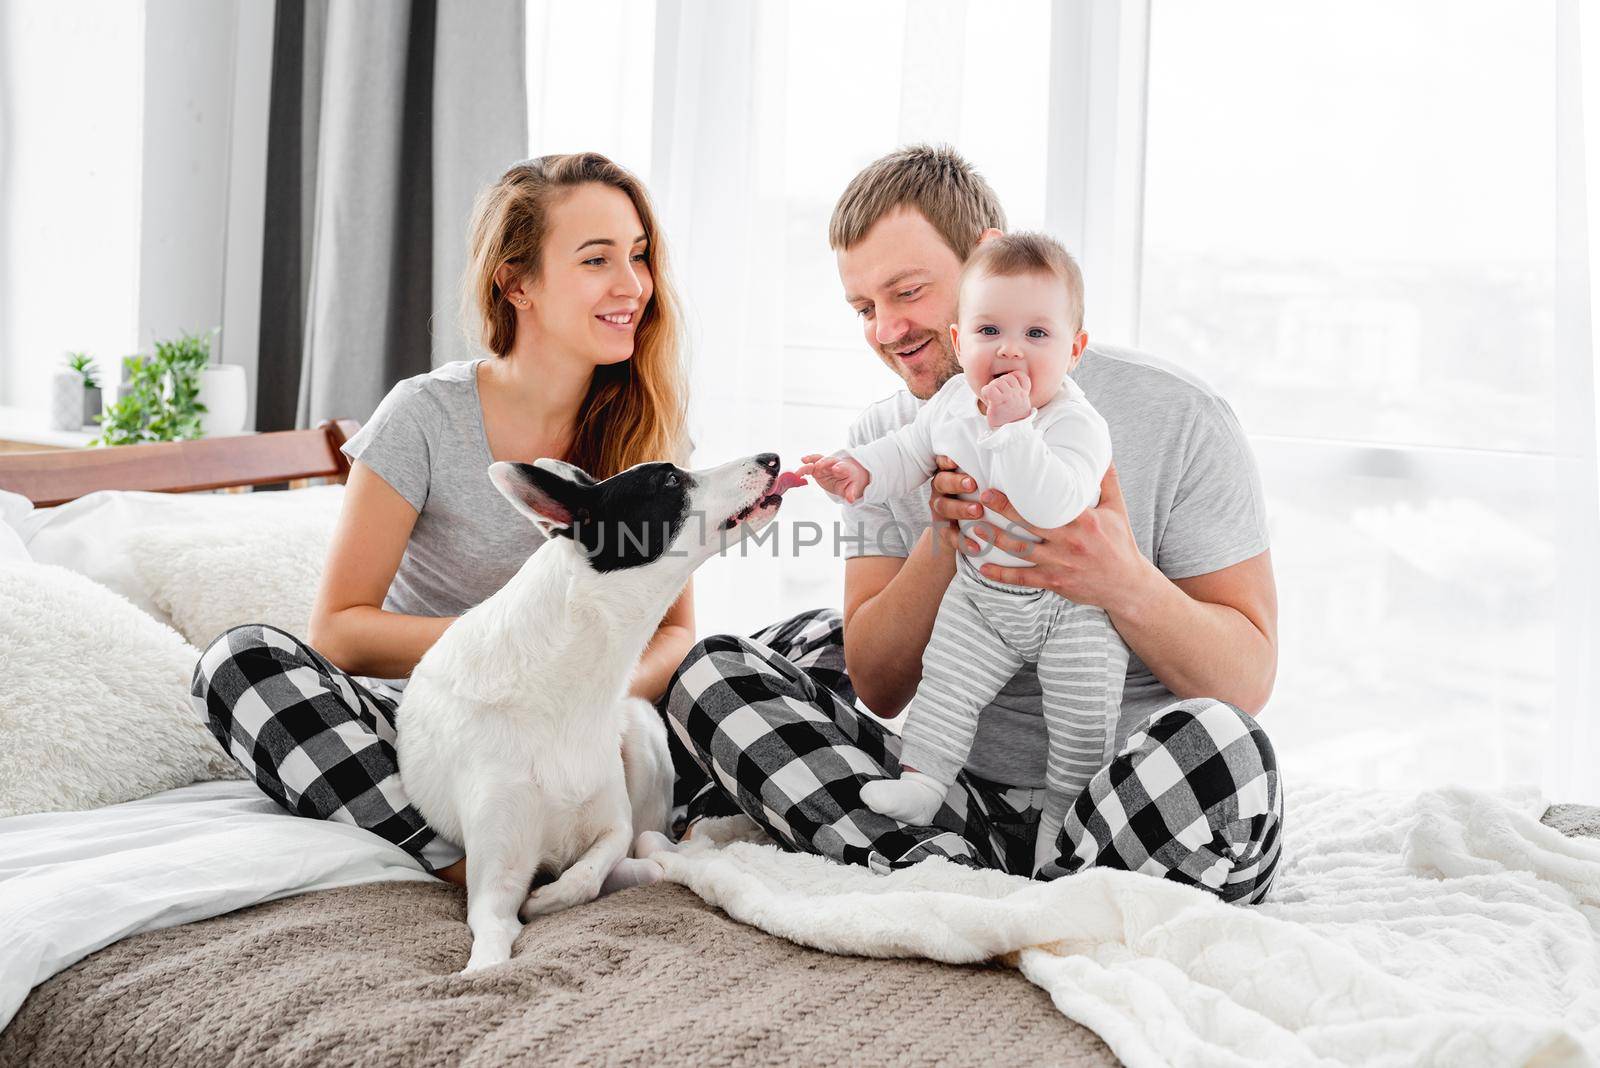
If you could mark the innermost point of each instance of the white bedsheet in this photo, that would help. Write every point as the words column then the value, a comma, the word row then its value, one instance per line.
column 73, row 882
column 1450, row 928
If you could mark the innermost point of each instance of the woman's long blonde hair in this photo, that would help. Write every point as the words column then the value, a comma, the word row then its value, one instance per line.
column 635, row 410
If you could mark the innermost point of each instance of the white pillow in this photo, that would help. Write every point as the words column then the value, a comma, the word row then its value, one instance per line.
column 207, row 579
column 13, row 507
column 94, row 534
column 94, row 698
column 12, row 551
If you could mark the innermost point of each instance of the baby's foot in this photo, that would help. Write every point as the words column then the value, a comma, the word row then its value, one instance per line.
column 1045, row 848
column 912, row 798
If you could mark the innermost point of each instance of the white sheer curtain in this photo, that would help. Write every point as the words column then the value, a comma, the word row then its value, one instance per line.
column 763, row 112
column 1573, row 767
column 1387, row 275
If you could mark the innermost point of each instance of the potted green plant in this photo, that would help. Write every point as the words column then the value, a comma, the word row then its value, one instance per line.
column 84, row 366
column 74, row 393
column 161, row 401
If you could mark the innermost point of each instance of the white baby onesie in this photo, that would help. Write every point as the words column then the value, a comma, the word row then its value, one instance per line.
column 1050, row 466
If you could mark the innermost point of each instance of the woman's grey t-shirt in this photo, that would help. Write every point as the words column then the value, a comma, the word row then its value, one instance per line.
column 1194, row 502
column 427, row 441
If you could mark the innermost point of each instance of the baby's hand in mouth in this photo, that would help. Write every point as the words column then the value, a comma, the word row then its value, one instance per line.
column 1005, row 399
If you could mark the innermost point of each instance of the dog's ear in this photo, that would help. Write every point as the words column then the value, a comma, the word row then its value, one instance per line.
column 552, row 500
column 565, row 470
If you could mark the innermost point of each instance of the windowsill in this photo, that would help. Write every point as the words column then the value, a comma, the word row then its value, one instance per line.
column 26, row 427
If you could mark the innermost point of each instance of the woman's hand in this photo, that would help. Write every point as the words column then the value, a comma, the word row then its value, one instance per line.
column 1092, row 560
column 838, row 475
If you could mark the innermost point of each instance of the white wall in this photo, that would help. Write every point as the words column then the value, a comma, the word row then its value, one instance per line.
column 71, row 93
column 132, row 163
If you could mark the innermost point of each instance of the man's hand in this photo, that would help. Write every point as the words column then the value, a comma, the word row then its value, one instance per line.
column 947, row 507
column 1005, row 400
column 1092, row 560
column 839, row 475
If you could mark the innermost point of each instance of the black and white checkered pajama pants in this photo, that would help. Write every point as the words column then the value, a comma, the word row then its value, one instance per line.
column 316, row 740
column 771, row 722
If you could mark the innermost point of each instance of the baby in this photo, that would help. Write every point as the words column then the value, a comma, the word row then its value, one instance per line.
column 1013, row 421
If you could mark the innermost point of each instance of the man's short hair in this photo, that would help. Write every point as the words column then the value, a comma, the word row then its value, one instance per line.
column 1028, row 252
column 936, row 181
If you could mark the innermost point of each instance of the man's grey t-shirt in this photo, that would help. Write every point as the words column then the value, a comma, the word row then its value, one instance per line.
column 1194, row 502
column 427, row 441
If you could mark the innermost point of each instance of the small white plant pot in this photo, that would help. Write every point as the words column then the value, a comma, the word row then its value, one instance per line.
column 66, row 401
column 223, row 392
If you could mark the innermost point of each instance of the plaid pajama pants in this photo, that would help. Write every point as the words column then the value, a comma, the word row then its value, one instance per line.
column 315, row 740
column 771, row 726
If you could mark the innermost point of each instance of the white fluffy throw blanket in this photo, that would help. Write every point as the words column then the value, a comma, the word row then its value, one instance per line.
column 1450, row 928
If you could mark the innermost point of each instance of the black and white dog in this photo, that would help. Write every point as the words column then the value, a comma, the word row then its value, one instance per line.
column 516, row 737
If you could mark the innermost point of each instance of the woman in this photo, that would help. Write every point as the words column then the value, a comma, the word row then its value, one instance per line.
column 567, row 276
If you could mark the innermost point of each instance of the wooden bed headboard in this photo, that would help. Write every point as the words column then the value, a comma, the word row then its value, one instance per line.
column 52, row 478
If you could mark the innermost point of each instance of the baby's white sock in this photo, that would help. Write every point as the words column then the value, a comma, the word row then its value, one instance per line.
column 1044, row 842
column 912, row 798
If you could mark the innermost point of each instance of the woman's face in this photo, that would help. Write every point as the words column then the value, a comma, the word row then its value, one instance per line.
column 595, row 279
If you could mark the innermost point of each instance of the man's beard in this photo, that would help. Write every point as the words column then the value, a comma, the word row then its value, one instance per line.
column 937, row 366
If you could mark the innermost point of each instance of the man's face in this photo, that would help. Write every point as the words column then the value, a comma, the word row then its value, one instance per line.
column 901, row 280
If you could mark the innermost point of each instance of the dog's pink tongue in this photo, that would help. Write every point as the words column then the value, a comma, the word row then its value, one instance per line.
column 787, row 481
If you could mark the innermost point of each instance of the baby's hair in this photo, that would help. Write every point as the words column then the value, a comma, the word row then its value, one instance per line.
column 1029, row 252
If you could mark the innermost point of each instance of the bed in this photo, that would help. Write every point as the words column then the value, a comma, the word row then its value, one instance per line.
column 200, row 925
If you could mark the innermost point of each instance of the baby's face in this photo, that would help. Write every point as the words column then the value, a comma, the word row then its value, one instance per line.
column 1017, row 323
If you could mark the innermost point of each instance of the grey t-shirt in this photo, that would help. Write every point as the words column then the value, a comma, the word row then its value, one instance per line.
column 1194, row 502
column 427, row 441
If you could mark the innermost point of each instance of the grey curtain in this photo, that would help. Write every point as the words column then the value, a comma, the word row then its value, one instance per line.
column 387, row 117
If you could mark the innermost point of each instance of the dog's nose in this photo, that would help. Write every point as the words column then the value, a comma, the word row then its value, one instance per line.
column 769, row 460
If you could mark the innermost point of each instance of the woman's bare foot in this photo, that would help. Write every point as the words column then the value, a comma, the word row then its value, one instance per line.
column 652, row 842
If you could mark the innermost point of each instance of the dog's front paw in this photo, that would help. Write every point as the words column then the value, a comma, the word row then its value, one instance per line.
column 484, row 957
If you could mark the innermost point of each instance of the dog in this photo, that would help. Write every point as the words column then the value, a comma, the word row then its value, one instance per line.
column 516, row 738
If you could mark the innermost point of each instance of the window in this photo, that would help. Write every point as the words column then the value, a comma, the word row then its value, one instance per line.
column 70, row 189
column 591, row 99
column 931, row 78
column 1350, row 231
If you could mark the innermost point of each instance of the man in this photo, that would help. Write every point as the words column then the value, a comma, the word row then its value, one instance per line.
column 1176, row 554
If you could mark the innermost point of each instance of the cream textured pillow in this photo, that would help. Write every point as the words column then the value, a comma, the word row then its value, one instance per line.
column 94, row 698
column 209, row 578
column 95, row 535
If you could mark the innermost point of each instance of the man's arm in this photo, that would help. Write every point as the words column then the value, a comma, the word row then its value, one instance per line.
column 1213, row 635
